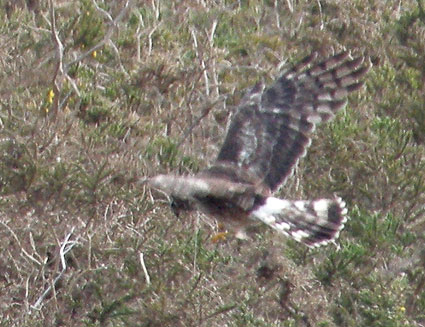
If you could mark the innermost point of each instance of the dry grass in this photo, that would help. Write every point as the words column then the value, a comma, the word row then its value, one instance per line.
column 109, row 94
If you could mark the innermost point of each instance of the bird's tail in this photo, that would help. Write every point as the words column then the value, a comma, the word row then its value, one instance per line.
column 313, row 223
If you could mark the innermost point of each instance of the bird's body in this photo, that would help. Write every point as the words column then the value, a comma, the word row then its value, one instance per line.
column 268, row 134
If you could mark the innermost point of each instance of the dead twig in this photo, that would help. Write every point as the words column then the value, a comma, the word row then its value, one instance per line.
column 113, row 23
column 145, row 271
column 66, row 246
column 60, row 73
column 62, row 69
column 29, row 256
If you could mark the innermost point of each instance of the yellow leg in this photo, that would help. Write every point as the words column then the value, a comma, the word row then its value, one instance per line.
column 220, row 236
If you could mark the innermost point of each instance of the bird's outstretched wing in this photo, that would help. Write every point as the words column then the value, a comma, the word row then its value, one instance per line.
column 272, row 127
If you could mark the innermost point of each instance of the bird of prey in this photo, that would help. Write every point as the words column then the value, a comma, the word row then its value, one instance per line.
column 269, row 132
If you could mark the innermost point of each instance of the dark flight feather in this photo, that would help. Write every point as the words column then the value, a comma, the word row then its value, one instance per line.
column 272, row 127
column 270, row 131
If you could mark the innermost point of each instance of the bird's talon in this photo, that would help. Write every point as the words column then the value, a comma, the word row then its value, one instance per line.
column 221, row 236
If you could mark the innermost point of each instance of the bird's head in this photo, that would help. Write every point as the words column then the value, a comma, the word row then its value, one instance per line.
column 176, row 188
column 168, row 184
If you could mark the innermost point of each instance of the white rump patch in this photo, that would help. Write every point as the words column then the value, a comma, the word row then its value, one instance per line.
column 273, row 206
column 300, row 205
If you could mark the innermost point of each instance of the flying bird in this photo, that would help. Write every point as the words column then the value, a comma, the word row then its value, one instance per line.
column 269, row 132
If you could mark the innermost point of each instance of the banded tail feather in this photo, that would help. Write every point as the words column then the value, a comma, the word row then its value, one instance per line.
column 312, row 222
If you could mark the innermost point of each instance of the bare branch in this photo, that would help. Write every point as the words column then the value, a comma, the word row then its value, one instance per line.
column 203, row 66
column 145, row 271
column 20, row 245
column 58, row 75
column 103, row 12
column 62, row 69
column 66, row 246
column 107, row 38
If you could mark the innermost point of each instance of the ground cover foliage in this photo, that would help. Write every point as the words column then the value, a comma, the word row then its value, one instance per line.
column 94, row 95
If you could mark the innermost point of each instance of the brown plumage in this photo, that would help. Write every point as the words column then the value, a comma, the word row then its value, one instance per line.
column 268, row 134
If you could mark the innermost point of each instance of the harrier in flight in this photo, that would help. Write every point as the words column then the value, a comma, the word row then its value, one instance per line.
column 268, row 134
